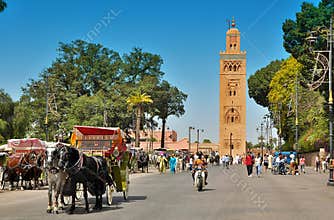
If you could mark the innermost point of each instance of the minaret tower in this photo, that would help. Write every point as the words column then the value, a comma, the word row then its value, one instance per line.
column 232, row 115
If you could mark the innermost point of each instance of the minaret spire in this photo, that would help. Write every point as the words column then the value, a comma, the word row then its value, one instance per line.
column 233, row 22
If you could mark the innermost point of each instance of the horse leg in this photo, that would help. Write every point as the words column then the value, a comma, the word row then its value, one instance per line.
column 55, row 207
column 86, row 197
column 96, row 202
column 73, row 190
column 20, row 178
column 73, row 203
column 100, row 202
column 49, row 209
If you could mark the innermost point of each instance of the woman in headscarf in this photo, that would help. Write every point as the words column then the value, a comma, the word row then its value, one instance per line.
column 162, row 163
column 172, row 164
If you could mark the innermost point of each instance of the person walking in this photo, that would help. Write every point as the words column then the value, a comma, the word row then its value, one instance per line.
column 172, row 164
column 191, row 161
column 317, row 164
column 302, row 164
column 258, row 165
column 265, row 162
column 249, row 164
column 270, row 161
column 162, row 163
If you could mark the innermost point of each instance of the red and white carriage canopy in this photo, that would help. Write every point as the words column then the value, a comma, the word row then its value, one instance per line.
column 21, row 146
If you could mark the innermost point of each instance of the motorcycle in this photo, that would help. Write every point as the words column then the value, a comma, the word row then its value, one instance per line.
column 199, row 179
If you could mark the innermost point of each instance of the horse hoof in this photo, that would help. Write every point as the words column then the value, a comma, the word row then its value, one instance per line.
column 48, row 211
column 57, row 212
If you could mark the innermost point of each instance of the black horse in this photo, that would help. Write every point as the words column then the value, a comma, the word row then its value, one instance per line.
column 91, row 172
column 143, row 161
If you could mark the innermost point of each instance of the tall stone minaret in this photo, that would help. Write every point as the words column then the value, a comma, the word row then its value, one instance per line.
column 232, row 115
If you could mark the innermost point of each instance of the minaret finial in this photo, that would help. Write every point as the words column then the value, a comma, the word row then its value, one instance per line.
column 233, row 22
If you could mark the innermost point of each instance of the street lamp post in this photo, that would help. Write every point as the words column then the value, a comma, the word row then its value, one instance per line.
column 46, row 108
column 330, row 102
column 198, row 130
column 190, row 128
column 262, row 139
column 231, row 145
column 296, row 122
column 312, row 39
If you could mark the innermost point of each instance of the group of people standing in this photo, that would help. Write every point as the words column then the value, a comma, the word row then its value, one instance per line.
column 286, row 164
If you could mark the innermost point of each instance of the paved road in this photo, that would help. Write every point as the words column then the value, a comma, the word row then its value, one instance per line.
column 229, row 195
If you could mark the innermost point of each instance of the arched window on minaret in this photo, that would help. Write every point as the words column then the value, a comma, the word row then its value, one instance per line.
column 234, row 68
column 232, row 116
column 225, row 68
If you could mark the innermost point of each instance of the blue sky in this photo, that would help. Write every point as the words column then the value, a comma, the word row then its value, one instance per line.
column 187, row 34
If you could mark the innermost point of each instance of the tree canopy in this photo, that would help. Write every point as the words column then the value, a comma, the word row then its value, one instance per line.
column 258, row 83
column 89, row 84
column 3, row 5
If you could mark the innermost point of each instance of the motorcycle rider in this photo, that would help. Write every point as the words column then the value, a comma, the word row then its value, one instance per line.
column 200, row 162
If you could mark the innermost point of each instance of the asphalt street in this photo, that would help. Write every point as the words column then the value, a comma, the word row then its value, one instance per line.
column 230, row 195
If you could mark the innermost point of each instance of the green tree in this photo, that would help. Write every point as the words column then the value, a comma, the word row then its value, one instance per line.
column 206, row 141
column 310, row 18
column 23, row 125
column 137, row 101
column 282, row 92
column 169, row 100
column 311, row 117
column 81, row 69
column 6, row 115
column 3, row 5
column 258, row 84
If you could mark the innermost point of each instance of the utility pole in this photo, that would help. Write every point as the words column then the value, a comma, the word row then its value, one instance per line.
column 262, row 139
column 198, row 130
column 231, row 145
column 296, row 140
column 190, row 128
column 330, row 102
column 46, row 122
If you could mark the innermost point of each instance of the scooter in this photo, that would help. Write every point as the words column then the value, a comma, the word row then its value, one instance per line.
column 199, row 179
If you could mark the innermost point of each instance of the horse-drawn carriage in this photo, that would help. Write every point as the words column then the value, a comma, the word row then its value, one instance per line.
column 110, row 144
column 23, row 163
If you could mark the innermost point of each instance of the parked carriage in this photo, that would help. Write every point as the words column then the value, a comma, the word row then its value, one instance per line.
column 25, row 162
column 110, row 144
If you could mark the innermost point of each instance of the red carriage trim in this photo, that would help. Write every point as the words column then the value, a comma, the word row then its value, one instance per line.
column 89, row 130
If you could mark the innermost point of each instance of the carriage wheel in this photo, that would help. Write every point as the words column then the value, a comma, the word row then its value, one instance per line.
column 109, row 191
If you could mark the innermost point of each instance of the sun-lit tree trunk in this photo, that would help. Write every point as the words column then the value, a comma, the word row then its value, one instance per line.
column 163, row 133
column 138, row 120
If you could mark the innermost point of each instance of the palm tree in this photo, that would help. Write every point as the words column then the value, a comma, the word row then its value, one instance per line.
column 3, row 5
column 137, row 101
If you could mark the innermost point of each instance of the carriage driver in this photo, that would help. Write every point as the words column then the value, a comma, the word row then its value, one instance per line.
column 200, row 161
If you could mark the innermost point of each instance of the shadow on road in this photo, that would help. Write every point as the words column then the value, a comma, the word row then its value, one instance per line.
column 120, row 199
column 80, row 210
column 208, row 190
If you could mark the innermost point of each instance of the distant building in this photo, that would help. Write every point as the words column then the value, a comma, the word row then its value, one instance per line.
column 149, row 144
